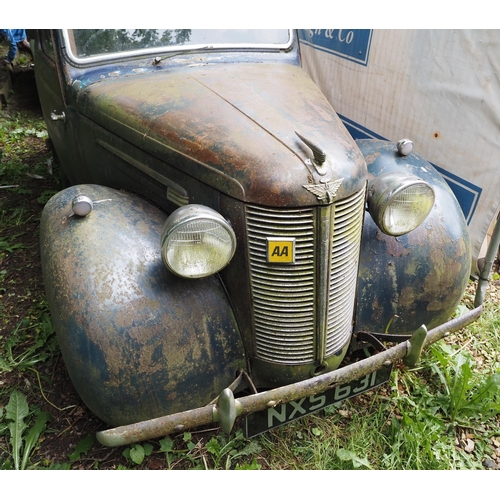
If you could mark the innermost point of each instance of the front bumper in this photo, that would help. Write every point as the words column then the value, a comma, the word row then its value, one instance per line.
column 226, row 409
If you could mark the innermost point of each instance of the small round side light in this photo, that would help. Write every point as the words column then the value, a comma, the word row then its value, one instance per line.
column 405, row 147
column 82, row 205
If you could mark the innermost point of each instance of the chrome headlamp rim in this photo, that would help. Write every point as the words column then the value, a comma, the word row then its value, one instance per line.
column 183, row 217
column 384, row 191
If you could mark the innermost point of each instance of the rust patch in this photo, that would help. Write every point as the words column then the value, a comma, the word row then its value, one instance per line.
column 393, row 246
column 408, row 296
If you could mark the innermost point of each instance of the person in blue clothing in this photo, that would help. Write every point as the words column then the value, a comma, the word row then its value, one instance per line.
column 17, row 40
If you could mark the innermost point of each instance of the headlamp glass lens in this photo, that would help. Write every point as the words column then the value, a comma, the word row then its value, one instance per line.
column 198, row 246
column 407, row 209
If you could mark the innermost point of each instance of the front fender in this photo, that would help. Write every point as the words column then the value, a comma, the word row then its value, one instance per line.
column 420, row 277
column 138, row 342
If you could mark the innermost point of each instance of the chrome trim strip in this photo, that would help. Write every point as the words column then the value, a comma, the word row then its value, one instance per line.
column 326, row 215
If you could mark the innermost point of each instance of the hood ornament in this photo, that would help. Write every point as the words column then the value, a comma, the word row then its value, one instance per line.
column 325, row 191
column 319, row 154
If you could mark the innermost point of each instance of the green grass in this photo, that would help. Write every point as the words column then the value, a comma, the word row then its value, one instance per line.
column 27, row 338
column 32, row 341
column 443, row 414
column 21, row 134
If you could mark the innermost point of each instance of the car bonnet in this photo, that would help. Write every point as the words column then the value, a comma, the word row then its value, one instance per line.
column 232, row 121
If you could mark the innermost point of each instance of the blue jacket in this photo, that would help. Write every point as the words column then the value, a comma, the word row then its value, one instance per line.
column 13, row 37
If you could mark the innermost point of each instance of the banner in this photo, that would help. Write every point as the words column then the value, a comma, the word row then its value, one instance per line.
column 439, row 88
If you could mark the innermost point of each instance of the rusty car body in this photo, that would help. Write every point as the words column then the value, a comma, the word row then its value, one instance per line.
column 222, row 234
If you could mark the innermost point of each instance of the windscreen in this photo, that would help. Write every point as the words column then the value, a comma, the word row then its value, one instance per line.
column 86, row 43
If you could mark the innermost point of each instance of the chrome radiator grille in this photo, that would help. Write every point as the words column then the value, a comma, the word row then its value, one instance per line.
column 289, row 325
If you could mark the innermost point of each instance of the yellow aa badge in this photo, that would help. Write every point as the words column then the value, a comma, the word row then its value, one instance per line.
column 281, row 250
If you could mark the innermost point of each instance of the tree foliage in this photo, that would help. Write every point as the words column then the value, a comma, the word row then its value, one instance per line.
column 91, row 42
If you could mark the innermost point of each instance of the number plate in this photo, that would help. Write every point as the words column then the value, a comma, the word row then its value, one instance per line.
column 270, row 418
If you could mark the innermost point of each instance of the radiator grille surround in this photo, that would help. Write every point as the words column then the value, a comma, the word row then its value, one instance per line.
column 293, row 324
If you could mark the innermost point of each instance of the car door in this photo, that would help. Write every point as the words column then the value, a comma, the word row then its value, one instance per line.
column 59, row 115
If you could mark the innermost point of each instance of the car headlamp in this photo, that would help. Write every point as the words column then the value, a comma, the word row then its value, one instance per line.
column 399, row 203
column 196, row 242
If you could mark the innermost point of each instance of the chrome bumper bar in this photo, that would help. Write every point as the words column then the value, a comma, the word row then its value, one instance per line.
column 227, row 408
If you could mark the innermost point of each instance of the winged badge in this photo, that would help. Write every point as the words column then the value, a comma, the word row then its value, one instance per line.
column 325, row 191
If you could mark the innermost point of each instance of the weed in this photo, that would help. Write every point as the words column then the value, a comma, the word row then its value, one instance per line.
column 19, row 136
column 29, row 344
column 15, row 217
column 225, row 449
column 220, row 452
column 434, row 403
column 23, row 438
column 137, row 452
column 7, row 244
column 83, row 447
column 467, row 394
column 46, row 196
column 350, row 456
column 186, row 455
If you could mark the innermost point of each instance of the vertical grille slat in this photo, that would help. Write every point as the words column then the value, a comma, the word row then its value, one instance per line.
column 284, row 305
column 343, row 279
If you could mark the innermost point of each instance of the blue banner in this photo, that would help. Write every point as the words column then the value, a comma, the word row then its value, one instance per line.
column 346, row 43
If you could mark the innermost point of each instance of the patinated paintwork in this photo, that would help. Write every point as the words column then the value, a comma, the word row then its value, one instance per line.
column 241, row 139
column 138, row 342
column 417, row 278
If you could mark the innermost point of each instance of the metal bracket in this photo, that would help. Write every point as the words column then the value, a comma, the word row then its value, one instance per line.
column 226, row 410
column 415, row 346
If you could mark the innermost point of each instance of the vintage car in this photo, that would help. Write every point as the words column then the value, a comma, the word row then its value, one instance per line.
column 225, row 248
